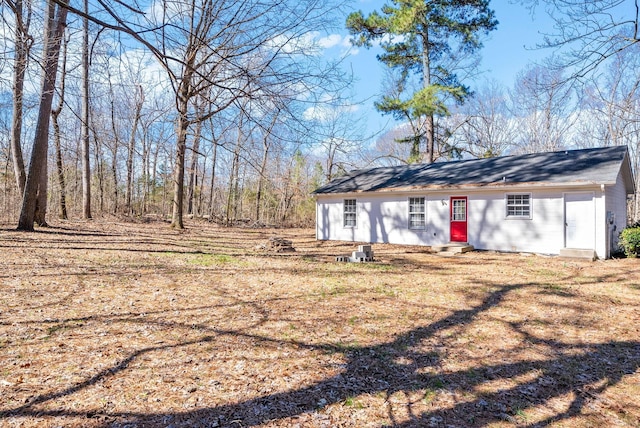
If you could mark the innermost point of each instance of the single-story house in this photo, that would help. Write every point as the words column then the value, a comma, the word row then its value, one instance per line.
column 538, row 203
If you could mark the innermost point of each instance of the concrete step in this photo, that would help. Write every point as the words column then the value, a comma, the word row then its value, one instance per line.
column 577, row 253
column 452, row 248
column 447, row 253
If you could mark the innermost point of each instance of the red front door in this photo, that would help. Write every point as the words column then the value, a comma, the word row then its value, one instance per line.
column 458, row 210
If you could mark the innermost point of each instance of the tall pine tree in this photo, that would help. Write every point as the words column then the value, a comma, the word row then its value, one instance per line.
column 417, row 37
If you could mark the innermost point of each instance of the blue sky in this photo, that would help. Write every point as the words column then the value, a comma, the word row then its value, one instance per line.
column 512, row 45
column 506, row 52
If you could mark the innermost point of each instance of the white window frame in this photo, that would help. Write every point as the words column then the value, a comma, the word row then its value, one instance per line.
column 352, row 211
column 411, row 204
column 518, row 206
column 456, row 215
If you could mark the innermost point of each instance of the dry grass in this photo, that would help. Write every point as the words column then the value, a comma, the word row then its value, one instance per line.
column 112, row 325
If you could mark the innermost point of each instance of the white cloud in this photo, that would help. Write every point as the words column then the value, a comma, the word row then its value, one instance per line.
column 314, row 43
column 326, row 113
column 351, row 51
column 305, row 44
column 330, row 41
column 315, row 112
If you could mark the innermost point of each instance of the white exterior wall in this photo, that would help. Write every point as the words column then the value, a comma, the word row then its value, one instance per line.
column 616, row 203
column 380, row 218
column 602, row 240
column 490, row 229
column 383, row 217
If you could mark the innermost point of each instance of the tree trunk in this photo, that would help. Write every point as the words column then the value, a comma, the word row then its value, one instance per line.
column 41, row 203
column 22, row 47
column 284, row 202
column 131, row 148
column 99, row 169
column 263, row 165
column 213, row 179
column 426, row 82
column 86, row 168
column 234, row 177
column 60, row 169
column 145, row 172
column 154, row 173
column 54, row 28
column 231, row 200
column 114, row 172
column 193, row 169
column 200, row 201
column 55, row 113
column 182, row 100
column 178, row 180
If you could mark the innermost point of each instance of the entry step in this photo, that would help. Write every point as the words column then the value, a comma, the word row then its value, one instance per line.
column 452, row 248
column 577, row 253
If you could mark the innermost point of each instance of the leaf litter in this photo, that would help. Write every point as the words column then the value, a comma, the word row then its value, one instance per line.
column 114, row 324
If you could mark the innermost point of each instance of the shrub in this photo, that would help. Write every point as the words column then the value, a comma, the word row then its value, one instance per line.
column 630, row 241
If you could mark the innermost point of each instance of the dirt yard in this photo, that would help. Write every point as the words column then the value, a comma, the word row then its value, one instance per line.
column 106, row 324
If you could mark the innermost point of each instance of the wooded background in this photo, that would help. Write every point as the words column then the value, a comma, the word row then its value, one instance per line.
column 229, row 110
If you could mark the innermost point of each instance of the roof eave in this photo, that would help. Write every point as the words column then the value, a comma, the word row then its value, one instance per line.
column 476, row 186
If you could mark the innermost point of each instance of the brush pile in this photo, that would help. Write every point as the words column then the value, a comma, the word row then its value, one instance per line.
column 276, row 244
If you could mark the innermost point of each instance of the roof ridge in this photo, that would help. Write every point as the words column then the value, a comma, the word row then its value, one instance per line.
column 543, row 167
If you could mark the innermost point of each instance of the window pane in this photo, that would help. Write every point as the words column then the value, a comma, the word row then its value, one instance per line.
column 519, row 205
column 416, row 220
column 417, row 217
column 459, row 210
column 350, row 216
column 349, row 219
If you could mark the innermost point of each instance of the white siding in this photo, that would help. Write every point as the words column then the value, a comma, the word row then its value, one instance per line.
column 489, row 228
column 380, row 218
column 601, row 224
column 383, row 217
column 616, row 203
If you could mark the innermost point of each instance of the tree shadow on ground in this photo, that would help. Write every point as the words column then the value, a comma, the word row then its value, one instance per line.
column 407, row 364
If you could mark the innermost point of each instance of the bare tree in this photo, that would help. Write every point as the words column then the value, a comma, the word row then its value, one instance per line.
column 233, row 193
column 195, row 154
column 266, row 147
column 542, row 108
column 98, row 155
column 611, row 111
column 588, row 33
column 114, row 144
column 54, row 30
column 57, row 134
column 215, row 144
column 139, row 101
column 483, row 126
column 227, row 49
column 387, row 151
column 86, row 155
column 22, row 43
column 247, row 55
column 156, row 130
column 340, row 134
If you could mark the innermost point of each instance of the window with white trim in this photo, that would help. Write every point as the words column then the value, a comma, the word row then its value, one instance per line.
column 350, row 214
column 417, row 213
column 518, row 205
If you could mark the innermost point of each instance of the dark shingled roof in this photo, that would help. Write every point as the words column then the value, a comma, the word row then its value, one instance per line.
column 588, row 166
